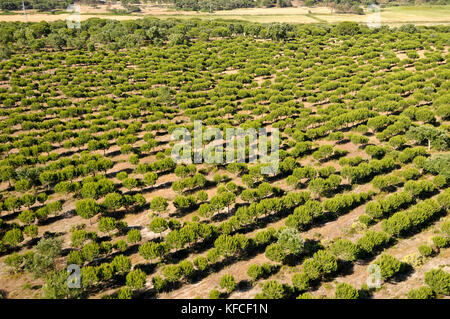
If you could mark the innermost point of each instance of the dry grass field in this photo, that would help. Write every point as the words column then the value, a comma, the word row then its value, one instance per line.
column 392, row 16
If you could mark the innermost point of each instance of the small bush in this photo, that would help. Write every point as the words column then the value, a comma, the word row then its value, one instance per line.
column 425, row 250
column 440, row 242
column 346, row 291
column 214, row 294
column 421, row 293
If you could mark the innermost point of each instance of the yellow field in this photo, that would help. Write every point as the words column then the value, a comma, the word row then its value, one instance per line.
column 420, row 15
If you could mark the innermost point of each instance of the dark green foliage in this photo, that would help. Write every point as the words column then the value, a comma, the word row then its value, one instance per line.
column 439, row 281
column 214, row 294
column 425, row 250
column 275, row 252
column 272, row 289
column 402, row 222
column 301, row 281
column 228, row 283
column 389, row 265
column 344, row 249
column 372, row 241
column 136, row 279
column 346, row 291
column 56, row 287
column 423, row 292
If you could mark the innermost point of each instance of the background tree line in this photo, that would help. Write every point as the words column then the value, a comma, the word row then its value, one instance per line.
column 40, row 5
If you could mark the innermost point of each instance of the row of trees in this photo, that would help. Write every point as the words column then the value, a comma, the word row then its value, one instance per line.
column 45, row 5
column 225, row 246
column 404, row 222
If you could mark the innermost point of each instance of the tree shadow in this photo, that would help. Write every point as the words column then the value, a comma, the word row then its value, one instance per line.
column 183, row 212
column 114, row 173
column 53, row 219
column 147, row 268
column 116, row 282
column 244, row 285
column 3, row 294
column 146, row 294
column 345, row 268
column 406, row 272
column 343, row 141
column 10, row 216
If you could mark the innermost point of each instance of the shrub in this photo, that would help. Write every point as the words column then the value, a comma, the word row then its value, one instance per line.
column 158, row 225
column 136, row 279
column 14, row 261
column 13, row 237
column 311, row 269
column 305, row 295
column 172, row 273
column 445, row 228
column 327, row 262
column 158, row 204
column 160, row 284
column 372, row 241
column 425, row 250
column 365, row 219
column 214, row 294
column 344, row 249
column 414, row 260
column 75, row 257
column 201, row 263
column 389, row 265
column 187, row 269
column 31, row 231
column 289, row 239
column 440, row 242
column 444, row 199
column 438, row 280
column 322, row 263
column 213, row 255
column 346, row 291
column 275, row 252
column 423, row 292
column 440, row 181
column 121, row 264
column 120, row 245
column 228, row 283
column 106, row 224
column 255, row 271
column 134, row 236
column 272, row 289
column 125, row 293
column 300, row 281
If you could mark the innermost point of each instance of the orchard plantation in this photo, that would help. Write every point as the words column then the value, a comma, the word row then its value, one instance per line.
column 88, row 180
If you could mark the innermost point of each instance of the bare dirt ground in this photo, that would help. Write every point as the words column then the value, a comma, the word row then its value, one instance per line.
column 398, row 288
column 202, row 288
